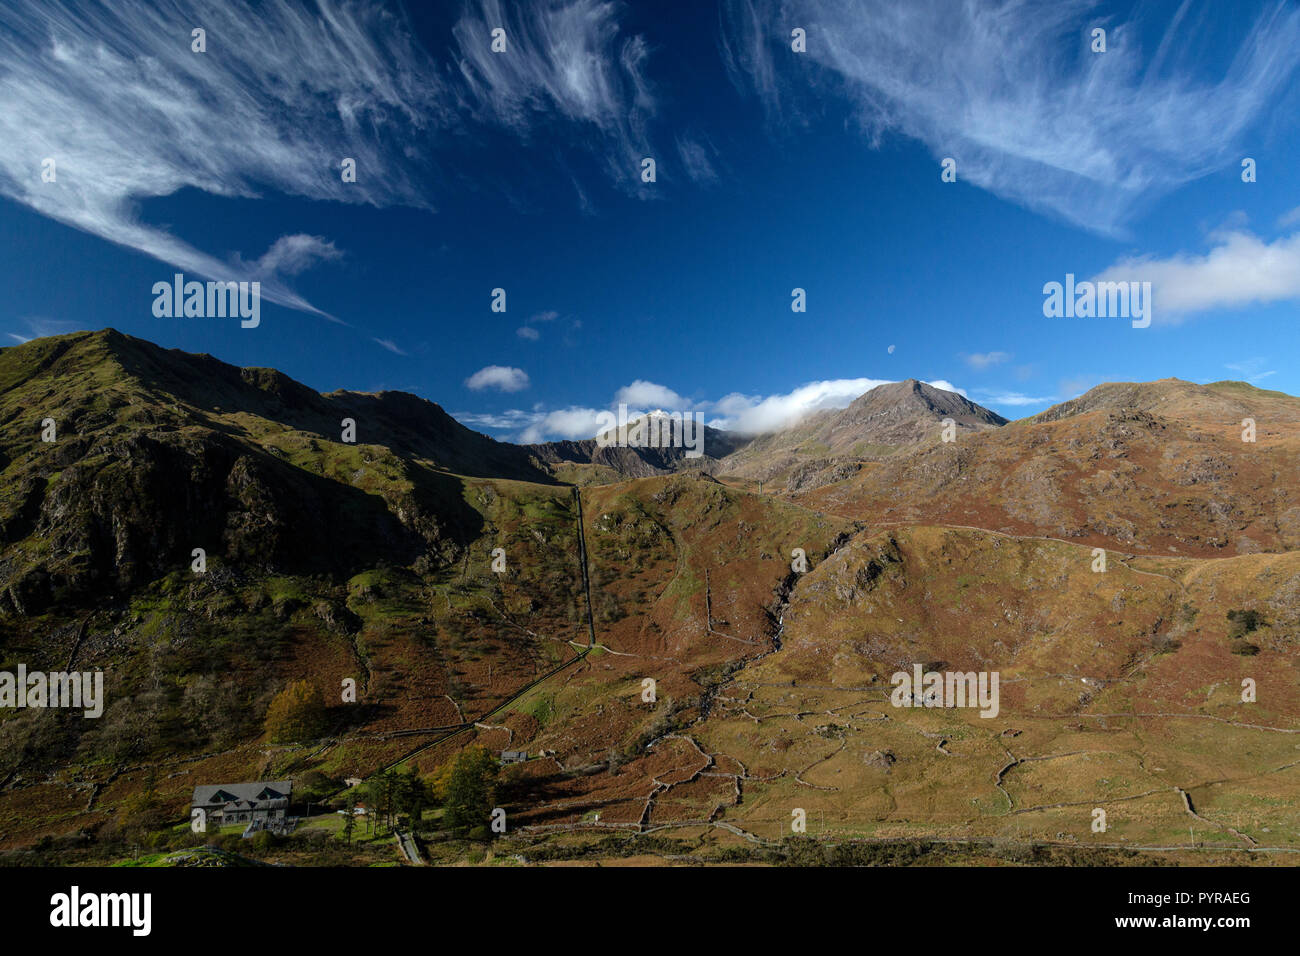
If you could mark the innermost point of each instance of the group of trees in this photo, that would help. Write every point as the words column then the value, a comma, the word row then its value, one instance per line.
column 464, row 787
column 1241, row 622
column 394, row 799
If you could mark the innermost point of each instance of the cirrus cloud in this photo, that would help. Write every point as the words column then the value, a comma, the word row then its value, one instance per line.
column 983, row 360
column 1011, row 90
column 115, row 95
column 117, row 98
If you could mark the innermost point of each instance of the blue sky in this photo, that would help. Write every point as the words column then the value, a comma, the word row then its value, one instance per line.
column 776, row 170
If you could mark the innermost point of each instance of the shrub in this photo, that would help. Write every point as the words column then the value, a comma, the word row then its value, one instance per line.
column 1242, row 622
column 314, row 786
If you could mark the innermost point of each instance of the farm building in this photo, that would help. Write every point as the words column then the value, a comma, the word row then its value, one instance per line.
column 226, row 803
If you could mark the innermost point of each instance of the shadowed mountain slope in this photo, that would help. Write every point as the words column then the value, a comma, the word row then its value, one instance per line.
column 157, row 452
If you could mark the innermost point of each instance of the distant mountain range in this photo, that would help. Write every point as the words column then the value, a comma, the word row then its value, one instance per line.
column 826, row 446
column 156, row 442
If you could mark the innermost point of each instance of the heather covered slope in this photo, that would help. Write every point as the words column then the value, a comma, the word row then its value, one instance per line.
column 1158, row 467
column 1119, row 689
column 327, row 561
column 324, row 560
column 159, row 452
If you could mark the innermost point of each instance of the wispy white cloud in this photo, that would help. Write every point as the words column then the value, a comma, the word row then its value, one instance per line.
column 527, row 332
column 1076, row 385
column 999, row 399
column 1011, row 90
column 1251, row 369
column 695, row 160
column 38, row 327
column 570, row 60
column 1240, row 270
column 295, row 254
column 755, row 414
column 390, row 345
column 574, row 423
column 648, row 394
column 513, row 418
column 115, row 95
column 501, row 377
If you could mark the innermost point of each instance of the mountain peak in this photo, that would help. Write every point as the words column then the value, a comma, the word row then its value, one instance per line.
column 882, row 422
column 895, row 400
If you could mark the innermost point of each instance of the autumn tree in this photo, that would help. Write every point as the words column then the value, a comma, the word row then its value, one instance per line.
column 296, row 714
column 381, row 790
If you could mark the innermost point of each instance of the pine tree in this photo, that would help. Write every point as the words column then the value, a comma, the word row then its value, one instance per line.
column 349, row 821
column 469, row 791
column 413, row 797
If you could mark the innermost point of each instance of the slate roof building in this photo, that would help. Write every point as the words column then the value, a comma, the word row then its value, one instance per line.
column 226, row 803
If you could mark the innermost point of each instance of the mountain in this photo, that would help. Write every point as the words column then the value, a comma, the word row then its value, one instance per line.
column 158, row 451
column 829, row 446
column 324, row 560
column 684, row 661
column 1173, row 397
column 637, row 450
column 1157, row 467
